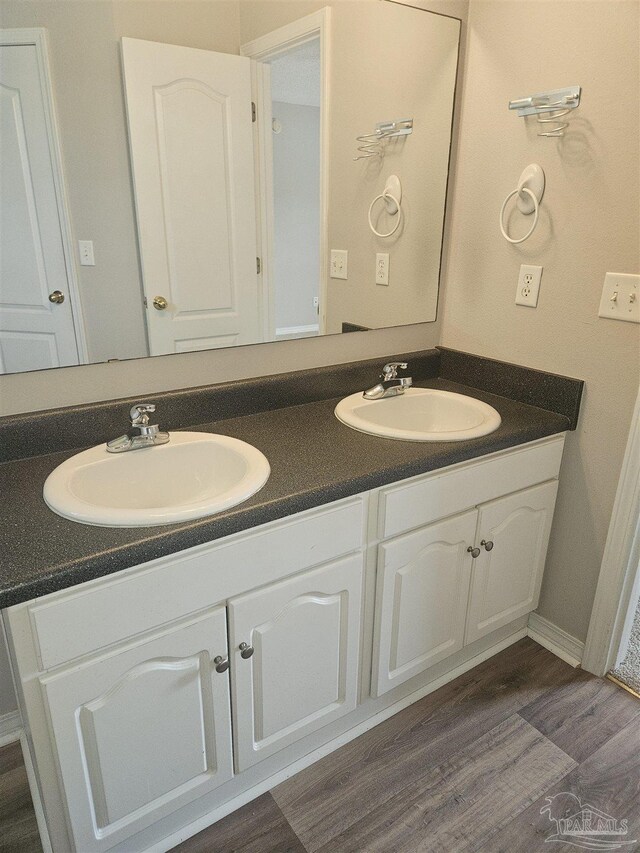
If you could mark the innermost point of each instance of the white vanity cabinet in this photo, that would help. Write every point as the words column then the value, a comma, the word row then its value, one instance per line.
column 160, row 698
column 128, row 682
column 454, row 581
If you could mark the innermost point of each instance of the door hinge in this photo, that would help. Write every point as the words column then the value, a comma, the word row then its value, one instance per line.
column 258, row 266
column 254, row 111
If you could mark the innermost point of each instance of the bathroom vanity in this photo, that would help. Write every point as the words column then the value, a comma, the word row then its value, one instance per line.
column 165, row 693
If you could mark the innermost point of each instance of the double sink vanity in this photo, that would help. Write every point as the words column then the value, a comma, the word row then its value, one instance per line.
column 177, row 666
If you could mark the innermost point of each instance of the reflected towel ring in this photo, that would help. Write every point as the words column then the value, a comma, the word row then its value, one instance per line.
column 386, row 196
column 536, row 208
column 531, row 184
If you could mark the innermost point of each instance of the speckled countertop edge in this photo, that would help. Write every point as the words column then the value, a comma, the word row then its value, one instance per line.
column 314, row 460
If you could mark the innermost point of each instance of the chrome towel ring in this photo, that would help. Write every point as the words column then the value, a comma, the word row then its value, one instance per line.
column 392, row 197
column 530, row 190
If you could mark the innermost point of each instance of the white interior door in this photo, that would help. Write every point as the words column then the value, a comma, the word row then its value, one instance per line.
column 191, row 141
column 34, row 332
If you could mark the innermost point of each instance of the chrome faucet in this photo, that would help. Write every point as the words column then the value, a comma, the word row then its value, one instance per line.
column 390, row 384
column 141, row 434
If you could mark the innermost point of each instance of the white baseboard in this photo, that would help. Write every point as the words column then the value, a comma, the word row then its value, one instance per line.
column 562, row 644
column 10, row 727
column 286, row 332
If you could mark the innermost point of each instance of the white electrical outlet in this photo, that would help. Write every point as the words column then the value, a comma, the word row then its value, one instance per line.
column 528, row 285
column 620, row 297
column 86, row 253
column 339, row 260
column 382, row 268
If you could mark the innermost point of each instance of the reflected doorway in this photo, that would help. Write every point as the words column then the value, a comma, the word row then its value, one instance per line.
column 295, row 123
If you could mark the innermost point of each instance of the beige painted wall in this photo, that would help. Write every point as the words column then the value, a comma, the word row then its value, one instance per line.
column 588, row 225
column 411, row 73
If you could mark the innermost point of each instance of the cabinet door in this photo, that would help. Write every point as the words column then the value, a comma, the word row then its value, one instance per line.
column 302, row 674
column 423, row 589
column 141, row 732
column 506, row 579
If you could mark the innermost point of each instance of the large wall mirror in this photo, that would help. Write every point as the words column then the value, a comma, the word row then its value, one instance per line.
column 180, row 175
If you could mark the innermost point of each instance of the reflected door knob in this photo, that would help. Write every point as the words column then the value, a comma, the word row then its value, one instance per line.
column 57, row 297
column 160, row 303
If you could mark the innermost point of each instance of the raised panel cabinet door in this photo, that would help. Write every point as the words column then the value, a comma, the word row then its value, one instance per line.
column 421, row 599
column 141, row 732
column 507, row 575
column 299, row 669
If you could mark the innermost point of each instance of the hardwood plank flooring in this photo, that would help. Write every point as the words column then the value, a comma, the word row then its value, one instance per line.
column 609, row 779
column 18, row 827
column 336, row 792
column 466, row 799
column 468, row 768
column 258, row 827
column 582, row 714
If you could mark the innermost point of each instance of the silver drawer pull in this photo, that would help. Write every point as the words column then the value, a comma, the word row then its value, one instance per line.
column 221, row 664
column 246, row 650
column 487, row 543
column 475, row 552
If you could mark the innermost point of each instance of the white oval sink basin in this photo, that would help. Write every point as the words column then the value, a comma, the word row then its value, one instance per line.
column 420, row 414
column 194, row 475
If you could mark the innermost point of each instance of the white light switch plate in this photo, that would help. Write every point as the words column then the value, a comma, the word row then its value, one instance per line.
column 620, row 297
column 339, row 261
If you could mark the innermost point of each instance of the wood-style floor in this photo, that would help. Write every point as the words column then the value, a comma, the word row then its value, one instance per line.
column 468, row 768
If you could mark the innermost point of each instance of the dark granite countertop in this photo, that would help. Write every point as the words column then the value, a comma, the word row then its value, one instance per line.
column 314, row 460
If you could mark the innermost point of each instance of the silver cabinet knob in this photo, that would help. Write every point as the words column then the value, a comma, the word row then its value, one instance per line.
column 221, row 664
column 57, row 297
column 246, row 650
column 487, row 544
column 160, row 303
column 475, row 552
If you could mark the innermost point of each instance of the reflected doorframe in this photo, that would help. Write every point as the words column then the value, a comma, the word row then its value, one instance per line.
column 275, row 43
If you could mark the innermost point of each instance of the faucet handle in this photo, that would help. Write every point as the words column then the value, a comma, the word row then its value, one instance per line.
column 390, row 370
column 140, row 413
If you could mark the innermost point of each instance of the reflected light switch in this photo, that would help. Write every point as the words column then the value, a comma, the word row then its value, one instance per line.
column 338, row 268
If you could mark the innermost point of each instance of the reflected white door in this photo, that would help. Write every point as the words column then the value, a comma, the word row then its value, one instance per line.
column 34, row 332
column 190, row 134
